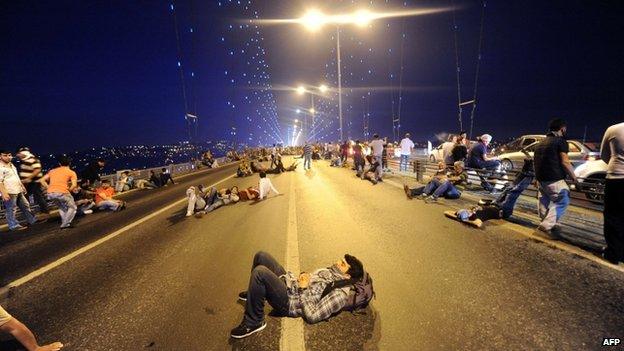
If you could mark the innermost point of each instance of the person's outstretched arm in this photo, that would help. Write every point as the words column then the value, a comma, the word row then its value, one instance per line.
column 26, row 337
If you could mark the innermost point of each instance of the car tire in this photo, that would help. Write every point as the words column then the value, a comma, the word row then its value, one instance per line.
column 506, row 165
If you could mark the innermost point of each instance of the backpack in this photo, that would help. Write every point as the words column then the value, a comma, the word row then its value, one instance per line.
column 360, row 294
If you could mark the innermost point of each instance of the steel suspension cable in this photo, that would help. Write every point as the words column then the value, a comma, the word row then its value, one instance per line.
column 476, row 82
column 455, row 30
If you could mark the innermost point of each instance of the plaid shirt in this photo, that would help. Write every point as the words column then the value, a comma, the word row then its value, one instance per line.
column 307, row 303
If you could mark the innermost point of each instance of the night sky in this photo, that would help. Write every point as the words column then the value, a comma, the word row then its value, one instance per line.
column 79, row 74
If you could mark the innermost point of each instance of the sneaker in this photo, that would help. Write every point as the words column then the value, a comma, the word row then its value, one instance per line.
column 243, row 331
column 69, row 226
column 431, row 199
column 546, row 233
column 188, row 214
column 18, row 228
column 87, row 212
column 242, row 296
column 422, row 196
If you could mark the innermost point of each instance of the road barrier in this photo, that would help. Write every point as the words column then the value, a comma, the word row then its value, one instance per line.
column 174, row 169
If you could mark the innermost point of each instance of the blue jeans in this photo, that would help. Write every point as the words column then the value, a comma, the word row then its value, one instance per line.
column 18, row 200
column 67, row 207
column 508, row 199
column 265, row 284
column 307, row 161
column 108, row 205
column 553, row 202
column 404, row 162
column 445, row 188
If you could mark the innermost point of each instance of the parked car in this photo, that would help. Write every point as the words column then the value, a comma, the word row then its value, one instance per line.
column 579, row 154
column 519, row 143
column 591, row 176
column 436, row 154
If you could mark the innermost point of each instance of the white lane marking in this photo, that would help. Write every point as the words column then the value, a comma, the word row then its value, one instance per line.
column 292, row 328
column 5, row 289
column 529, row 233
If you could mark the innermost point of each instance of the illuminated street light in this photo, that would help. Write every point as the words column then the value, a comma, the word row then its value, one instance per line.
column 312, row 110
column 296, row 120
column 301, row 90
column 313, row 20
column 298, row 111
column 363, row 18
column 323, row 88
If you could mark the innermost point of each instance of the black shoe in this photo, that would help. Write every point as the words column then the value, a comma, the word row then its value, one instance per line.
column 242, row 296
column 612, row 258
column 243, row 331
column 68, row 227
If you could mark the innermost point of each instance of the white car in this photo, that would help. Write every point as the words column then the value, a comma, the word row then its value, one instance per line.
column 591, row 175
column 579, row 154
column 436, row 154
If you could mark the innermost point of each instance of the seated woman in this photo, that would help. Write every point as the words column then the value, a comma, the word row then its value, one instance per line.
column 445, row 185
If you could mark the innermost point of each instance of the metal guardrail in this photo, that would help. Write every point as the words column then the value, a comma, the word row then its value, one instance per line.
column 587, row 194
column 174, row 169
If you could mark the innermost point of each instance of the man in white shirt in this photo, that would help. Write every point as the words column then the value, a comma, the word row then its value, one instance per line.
column 612, row 152
column 406, row 151
column 13, row 192
column 377, row 146
column 265, row 186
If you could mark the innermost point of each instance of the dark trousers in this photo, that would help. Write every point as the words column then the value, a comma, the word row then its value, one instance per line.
column 265, row 284
column 614, row 218
column 34, row 189
column 507, row 200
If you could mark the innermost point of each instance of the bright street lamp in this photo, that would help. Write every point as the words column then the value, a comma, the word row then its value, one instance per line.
column 323, row 88
column 301, row 90
column 312, row 110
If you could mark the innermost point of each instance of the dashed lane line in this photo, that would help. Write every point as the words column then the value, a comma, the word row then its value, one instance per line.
column 4, row 291
column 292, row 338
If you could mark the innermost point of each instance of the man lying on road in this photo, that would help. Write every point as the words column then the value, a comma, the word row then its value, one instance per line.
column 313, row 296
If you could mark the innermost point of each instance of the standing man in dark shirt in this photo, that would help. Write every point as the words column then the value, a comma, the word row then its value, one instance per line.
column 30, row 173
column 91, row 174
column 551, row 167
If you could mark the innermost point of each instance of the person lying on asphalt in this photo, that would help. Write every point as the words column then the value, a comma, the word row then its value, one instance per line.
column 203, row 199
column 303, row 296
column 104, row 198
column 11, row 325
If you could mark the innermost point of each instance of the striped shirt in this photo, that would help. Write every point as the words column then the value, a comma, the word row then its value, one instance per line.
column 307, row 149
column 27, row 168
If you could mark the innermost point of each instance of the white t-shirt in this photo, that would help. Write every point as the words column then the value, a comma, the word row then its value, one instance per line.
column 406, row 146
column 612, row 151
column 377, row 146
column 10, row 178
column 265, row 186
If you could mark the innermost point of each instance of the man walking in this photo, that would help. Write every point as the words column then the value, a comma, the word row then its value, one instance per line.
column 612, row 152
column 57, row 181
column 406, row 151
column 377, row 146
column 551, row 167
column 307, row 156
column 30, row 173
column 13, row 192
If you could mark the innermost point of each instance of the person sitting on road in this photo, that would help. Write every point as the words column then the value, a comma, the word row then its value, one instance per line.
column 124, row 182
column 104, row 198
column 444, row 184
column 336, row 161
column 83, row 198
column 314, row 296
column 477, row 156
column 11, row 325
column 216, row 198
column 243, row 170
column 165, row 177
column 155, row 179
column 265, row 186
column 371, row 174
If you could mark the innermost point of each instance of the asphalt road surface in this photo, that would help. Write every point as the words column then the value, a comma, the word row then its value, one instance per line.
column 170, row 283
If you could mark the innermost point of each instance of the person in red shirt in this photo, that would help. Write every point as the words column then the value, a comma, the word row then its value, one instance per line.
column 104, row 198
